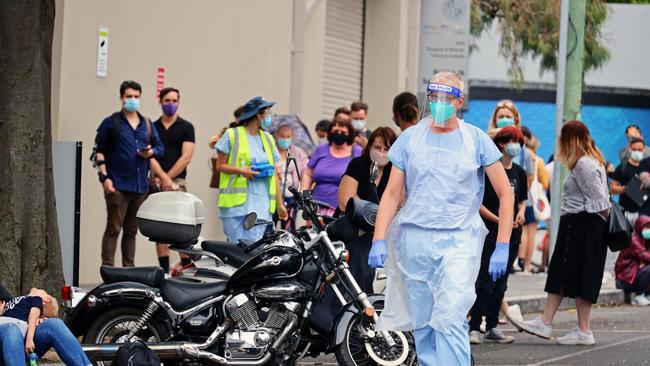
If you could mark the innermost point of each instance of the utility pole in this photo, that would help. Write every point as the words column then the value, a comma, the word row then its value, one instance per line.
column 569, row 91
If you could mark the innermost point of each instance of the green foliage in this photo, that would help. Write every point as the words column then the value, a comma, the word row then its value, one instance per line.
column 629, row 1
column 532, row 27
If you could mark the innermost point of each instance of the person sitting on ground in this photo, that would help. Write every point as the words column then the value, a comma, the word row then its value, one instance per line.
column 632, row 265
column 25, row 328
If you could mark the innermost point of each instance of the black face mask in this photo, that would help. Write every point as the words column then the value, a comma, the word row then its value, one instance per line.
column 338, row 138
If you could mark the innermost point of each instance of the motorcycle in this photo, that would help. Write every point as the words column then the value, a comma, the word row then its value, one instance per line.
column 259, row 315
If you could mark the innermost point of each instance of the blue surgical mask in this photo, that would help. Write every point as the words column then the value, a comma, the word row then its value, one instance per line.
column 266, row 122
column 441, row 111
column 645, row 233
column 512, row 149
column 284, row 144
column 132, row 104
column 505, row 122
column 358, row 124
column 636, row 155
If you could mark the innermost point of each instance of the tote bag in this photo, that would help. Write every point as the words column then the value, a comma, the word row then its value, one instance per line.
column 541, row 207
column 620, row 230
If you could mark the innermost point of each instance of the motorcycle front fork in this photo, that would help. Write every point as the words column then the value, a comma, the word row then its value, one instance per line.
column 360, row 297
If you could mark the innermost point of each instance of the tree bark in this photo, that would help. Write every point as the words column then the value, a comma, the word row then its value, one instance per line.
column 30, row 251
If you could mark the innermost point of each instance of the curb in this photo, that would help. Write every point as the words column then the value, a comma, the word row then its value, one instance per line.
column 535, row 304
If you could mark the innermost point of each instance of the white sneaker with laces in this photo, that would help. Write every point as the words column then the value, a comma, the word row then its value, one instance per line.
column 474, row 337
column 641, row 300
column 576, row 337
column 534, row 327
column 514, row 314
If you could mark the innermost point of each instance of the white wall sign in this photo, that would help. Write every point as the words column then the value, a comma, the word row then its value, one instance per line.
column 444, row 38
column 102, row 52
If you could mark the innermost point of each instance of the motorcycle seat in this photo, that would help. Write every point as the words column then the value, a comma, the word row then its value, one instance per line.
column 230, row 253
column 183, row 294
column 150, row 276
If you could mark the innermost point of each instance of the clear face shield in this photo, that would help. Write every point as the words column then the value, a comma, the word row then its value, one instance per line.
column 441, row 99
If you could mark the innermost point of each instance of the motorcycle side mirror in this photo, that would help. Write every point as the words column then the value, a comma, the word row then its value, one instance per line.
column 250, row 220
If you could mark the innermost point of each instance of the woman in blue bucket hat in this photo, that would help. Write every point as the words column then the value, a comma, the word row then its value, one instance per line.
column 246, row 156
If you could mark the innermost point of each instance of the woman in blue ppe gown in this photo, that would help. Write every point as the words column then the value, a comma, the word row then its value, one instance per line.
column 432, row 248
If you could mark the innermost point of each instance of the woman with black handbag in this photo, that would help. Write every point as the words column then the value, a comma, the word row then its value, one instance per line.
column 578, row 261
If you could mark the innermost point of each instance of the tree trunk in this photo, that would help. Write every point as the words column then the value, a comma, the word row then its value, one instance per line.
column 30, row 251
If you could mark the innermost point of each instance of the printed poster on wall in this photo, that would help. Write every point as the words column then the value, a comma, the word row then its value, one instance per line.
column 102, row 52
column 444, row 39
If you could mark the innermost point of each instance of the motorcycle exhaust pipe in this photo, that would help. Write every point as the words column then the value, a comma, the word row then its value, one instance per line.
column 164, row 350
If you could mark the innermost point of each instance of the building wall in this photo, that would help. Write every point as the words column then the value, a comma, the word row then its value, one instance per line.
column 385, row 58
column 217, row 53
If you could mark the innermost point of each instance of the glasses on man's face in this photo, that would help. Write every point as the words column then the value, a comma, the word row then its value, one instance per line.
column 443, row 97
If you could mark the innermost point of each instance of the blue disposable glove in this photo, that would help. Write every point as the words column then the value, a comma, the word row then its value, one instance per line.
column 378, row 254
column 499, row 261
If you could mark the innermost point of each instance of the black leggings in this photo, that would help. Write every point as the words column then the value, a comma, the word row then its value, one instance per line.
column 489, row 294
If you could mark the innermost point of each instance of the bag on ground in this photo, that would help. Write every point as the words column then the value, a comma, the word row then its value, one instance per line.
column 135, row 354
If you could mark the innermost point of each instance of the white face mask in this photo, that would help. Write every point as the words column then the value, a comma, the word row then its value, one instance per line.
column 358, row 124
column 381, row 158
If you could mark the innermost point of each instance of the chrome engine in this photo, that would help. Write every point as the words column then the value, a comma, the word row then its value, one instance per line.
column 250, row 338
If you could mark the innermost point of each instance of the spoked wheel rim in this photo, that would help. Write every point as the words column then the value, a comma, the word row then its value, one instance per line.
column 117, row 329
column 357, row 345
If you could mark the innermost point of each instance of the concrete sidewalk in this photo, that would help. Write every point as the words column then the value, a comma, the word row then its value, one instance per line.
column 528, row 292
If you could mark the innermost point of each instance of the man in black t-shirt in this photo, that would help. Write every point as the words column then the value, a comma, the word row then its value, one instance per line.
column 626, row 171
column 177, row 135
column 489, row 293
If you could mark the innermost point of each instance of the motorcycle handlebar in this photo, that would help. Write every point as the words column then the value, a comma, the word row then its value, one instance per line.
column 255, row 245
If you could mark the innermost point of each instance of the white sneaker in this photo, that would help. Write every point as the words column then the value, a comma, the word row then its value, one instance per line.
column 641, row 300
column 534, row 327
column 474, row 337
column 576, row 337
column 514, row 314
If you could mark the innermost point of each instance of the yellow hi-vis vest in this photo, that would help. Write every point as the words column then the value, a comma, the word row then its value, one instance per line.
column 233, row 188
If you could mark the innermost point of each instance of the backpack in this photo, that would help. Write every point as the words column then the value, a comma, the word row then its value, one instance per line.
column 135, row 354
column 114, row 136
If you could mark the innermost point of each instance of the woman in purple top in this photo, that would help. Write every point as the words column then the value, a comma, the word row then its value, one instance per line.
column 328, row 163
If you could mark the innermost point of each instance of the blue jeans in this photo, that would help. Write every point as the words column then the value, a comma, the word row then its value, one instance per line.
column 51, row 333
column 12, row 345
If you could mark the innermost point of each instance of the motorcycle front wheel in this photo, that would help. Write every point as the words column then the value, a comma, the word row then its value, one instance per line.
column 354, row 351
column 114, row 325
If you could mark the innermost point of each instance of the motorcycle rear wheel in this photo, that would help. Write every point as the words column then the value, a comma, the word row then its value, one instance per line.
column 115, row 324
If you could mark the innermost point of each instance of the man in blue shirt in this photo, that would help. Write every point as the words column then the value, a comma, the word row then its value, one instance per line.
column 125, row 142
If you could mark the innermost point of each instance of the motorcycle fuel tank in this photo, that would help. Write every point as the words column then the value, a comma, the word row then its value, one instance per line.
column 273, row 263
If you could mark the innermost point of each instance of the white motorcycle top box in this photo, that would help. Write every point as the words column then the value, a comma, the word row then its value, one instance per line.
column 171, row 218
